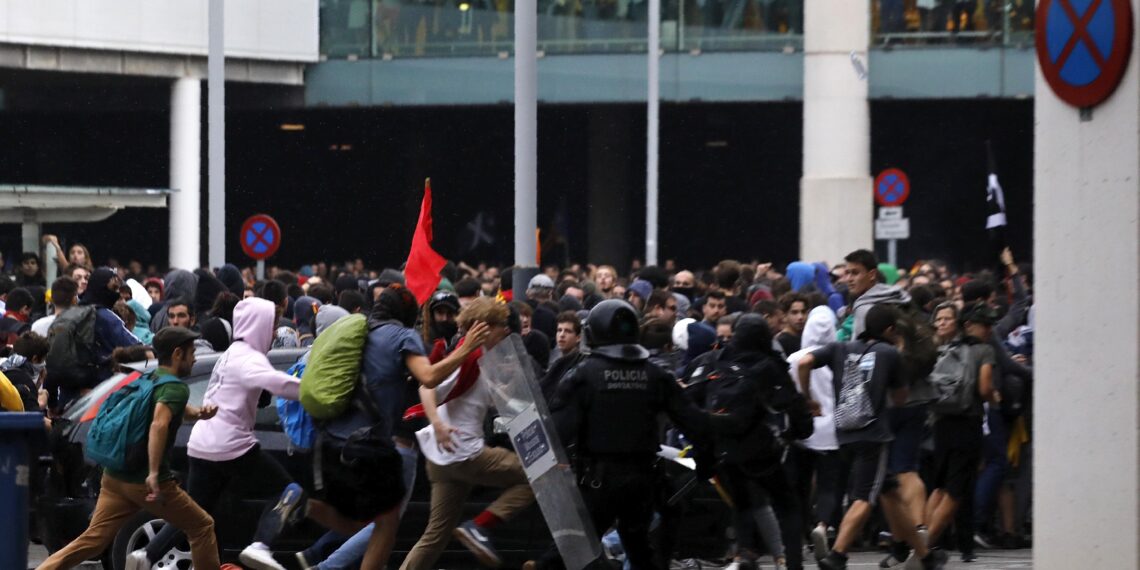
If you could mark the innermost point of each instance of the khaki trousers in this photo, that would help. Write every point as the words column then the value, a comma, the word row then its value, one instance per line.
column 450, row 485
column 119, row 501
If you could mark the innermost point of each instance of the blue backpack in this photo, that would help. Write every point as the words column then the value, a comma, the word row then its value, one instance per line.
column 119, row 433
column 297, row 423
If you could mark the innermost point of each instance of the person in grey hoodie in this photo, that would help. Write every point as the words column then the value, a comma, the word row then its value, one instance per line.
column 178, row 284
column 224, row 453
column 865, row 286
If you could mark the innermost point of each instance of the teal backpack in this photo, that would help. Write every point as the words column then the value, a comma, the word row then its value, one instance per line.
column 118, row 436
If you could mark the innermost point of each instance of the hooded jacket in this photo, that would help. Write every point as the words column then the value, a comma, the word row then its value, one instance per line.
column 178, row 284
column 800, row 274
column 142, row 322
column 823, row 283
column 877, row 294
column 230, row 276
column 819, row 331
column 239, row 376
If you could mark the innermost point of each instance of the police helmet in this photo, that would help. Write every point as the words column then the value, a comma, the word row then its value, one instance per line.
column 612, row 329
column 444, row 299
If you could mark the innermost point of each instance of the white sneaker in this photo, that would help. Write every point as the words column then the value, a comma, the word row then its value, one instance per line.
column 819, row 542
column 260, row 557
column 137, row 561
column 304, row 562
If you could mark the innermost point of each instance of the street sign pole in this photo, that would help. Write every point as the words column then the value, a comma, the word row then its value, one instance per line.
column 651, row 155
column 526, row 144
column 261, row 269
column 892, row 252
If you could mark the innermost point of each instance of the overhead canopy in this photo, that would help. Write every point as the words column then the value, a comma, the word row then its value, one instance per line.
column 52, row 204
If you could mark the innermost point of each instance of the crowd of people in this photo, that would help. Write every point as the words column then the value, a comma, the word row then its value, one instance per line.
column 823, row 402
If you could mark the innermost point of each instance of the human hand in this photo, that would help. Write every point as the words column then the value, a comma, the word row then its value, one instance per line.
column 814, row 408
column 1006, row 257
column 49, row 238
column 207, row 411
column 443, row 432
column 42, row 398
column 1020, row 359
column 154, row 494
column 476, row 336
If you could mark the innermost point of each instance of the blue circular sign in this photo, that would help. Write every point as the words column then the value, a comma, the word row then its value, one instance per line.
column 1083, row 47
column 260, row 236
column 892, row 187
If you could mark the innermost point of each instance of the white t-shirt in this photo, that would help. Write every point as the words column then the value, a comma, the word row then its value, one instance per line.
column 465, row 414
column 43, row 325
column 822, row 391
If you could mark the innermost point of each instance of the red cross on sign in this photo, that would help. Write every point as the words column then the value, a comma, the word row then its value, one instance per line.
column 1083, row 47
column 260, row 237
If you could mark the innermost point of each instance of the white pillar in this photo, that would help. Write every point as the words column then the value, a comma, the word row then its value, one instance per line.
column 653, row 116
column 216, row 110
column 30, row 233
column 1087, row 337
column 526, row 141
column 835, row 192
column 185, row 172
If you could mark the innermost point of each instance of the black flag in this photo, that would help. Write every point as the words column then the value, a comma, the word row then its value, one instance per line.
column 995, row 206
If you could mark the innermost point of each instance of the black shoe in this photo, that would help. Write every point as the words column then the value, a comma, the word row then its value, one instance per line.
column 834, row 561
column 935, row 560
column 969, row 557
column 1010, row 542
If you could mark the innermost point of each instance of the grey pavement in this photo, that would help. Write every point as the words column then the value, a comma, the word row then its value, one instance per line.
column 987, row 560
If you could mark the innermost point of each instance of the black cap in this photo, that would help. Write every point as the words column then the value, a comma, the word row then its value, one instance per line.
column 171, row 338
column 980, row 313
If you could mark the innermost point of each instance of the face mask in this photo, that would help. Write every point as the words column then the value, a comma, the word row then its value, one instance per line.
column 39, row 368
column 444, row 330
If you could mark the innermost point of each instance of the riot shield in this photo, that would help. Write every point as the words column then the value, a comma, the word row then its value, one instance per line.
column 507, row 370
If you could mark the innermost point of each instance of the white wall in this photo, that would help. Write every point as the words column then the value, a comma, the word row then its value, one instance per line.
column 282, row 30
column 1087, row 370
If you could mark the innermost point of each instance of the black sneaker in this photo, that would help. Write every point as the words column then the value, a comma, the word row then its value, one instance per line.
column 478, row 543
column 834, row 561
column 898, row 553
column 935, row 560
column 969, row 557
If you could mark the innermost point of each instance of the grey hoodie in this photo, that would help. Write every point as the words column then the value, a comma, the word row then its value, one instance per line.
column 879, row 293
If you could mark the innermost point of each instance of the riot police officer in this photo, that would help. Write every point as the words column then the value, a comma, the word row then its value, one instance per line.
column 608, row 407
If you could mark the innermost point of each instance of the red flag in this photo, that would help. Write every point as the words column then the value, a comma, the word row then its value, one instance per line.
column 422, row 270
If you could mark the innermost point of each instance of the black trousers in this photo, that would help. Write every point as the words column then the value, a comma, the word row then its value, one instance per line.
column 618, row 494
column 255, row 474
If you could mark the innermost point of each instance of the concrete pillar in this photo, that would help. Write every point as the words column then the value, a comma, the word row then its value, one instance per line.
column 608, row 186
column 1087, row 336
column 30, row 232
column 835, row 192
column 185, row 173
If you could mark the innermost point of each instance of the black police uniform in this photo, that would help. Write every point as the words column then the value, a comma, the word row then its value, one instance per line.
column 609, row 405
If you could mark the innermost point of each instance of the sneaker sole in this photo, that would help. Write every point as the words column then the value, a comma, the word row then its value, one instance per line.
column 485, row 557
column 258, row 564
column 819, row 546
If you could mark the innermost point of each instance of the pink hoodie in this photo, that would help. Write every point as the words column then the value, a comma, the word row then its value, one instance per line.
column 239, row 376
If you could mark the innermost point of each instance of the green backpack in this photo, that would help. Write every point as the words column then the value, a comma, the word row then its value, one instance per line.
column 118, row 436
column 334, row 365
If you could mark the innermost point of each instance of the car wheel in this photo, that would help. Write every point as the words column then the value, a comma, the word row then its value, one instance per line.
column 137, row 533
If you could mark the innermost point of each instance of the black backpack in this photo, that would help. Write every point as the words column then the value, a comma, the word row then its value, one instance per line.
column 771, row 412
column 71, row 359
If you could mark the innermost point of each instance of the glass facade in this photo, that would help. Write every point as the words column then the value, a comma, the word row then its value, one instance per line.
column 442, row 28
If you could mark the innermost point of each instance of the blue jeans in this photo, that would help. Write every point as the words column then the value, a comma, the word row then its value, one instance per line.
column 993, row 473
column 350, row 553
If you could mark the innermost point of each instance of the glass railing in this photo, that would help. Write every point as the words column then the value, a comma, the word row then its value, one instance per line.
column 353, row 29
column 918, row 23
column 409, row 28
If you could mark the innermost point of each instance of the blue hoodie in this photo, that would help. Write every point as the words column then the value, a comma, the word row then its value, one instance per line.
column 800, row 274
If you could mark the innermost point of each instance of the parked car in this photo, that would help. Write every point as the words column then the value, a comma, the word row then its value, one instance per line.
column 70, row 485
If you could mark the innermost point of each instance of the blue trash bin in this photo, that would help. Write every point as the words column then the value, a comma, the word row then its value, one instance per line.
column 16, row 432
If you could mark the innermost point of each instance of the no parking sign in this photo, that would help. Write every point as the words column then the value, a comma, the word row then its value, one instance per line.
column 1083, row 47
column 260, row 237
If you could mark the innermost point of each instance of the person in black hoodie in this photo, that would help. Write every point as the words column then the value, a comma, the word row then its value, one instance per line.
column 746, row 384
